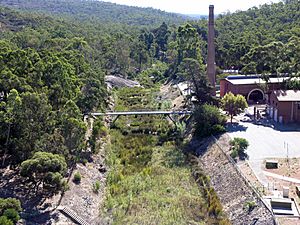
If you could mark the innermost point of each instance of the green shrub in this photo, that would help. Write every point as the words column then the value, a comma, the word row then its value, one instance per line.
column 84, row 161
column 45, row 167
column 208, row 121
column 53, row 180
column 96, row 186
column 5, row 221
column 99, row 130
column 9, row 203
column 103, row 131
column 9, row 211
column 250, row 205
column 77, row 177
column 218, row 128
column 234, row 154
column 240, row 145
column 12, row 215
column 64, row 186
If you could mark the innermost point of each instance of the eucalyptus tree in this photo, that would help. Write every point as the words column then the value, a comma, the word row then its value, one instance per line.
column 44, row 168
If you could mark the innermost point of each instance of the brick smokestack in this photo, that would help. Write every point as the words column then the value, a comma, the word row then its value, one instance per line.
column 211, row 68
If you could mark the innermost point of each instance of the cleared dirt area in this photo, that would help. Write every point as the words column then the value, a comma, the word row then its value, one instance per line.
column 289, row 167
column 250, row 176
column 80, row 197
column 288, row 221
column 171, row 92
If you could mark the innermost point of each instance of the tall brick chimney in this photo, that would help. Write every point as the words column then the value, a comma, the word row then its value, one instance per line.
column 211, row 68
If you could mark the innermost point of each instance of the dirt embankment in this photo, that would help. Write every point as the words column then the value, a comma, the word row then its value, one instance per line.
column 41, row 208
column 233, row 190
column 82, row 198
column 170, row 92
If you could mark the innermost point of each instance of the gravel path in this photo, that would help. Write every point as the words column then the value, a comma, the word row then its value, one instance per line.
column 280, row 177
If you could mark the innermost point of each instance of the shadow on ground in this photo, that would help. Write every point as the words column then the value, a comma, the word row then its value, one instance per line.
column 234, row 127
column 262, row 122
column 35, row 210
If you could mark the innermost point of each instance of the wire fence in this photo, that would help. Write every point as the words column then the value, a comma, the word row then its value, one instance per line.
column 258, row 189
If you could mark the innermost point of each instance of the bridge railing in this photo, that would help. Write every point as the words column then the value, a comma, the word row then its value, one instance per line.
column 149, row 112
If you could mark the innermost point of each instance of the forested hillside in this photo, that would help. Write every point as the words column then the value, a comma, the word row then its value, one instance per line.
column 52, row 73
column 262, row 39
column 269, row 32
column 54, row 56
column 98, row 11
column 48, row 80
column 60, row 63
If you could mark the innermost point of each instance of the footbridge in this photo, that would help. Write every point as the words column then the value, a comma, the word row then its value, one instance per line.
column 134, row 113
column 169, row 114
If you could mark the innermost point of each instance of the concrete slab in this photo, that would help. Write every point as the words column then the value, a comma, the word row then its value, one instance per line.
column 266, row 140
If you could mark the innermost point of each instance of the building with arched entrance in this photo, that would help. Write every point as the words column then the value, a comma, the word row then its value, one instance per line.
column 252, row 87
column 284, row 106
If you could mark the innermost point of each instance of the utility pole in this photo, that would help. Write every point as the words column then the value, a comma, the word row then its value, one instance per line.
column 286, row 146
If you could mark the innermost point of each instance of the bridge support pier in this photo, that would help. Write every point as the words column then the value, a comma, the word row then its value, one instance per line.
column 115, row 119
column 173, row 120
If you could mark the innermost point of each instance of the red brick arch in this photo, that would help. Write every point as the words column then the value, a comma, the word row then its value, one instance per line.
column 253, row 90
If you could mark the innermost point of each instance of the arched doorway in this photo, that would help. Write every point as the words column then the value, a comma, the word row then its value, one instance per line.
column 256, row 95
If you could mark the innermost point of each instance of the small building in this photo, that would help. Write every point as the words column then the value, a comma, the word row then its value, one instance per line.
column 252, row 87
column 284, row 106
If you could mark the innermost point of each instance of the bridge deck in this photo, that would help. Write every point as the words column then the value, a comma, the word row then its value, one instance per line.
column 142, row 113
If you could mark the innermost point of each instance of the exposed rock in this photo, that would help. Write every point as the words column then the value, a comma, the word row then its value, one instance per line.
column 232, row 189
column 114, row 81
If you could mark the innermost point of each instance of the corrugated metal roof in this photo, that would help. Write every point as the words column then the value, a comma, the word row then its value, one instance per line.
column 287, row 95
column 256, row 80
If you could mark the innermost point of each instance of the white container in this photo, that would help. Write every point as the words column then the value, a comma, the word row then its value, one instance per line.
column 285, row 192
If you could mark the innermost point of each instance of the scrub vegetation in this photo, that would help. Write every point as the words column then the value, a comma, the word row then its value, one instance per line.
column 151, row 180
column 54, row 56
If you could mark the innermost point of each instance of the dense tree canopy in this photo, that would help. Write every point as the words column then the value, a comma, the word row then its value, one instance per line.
column 260, row 39
column 55, row 54
column 90, row 11
column 52, row 73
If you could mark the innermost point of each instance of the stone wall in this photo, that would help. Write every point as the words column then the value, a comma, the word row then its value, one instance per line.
column 232, row 188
